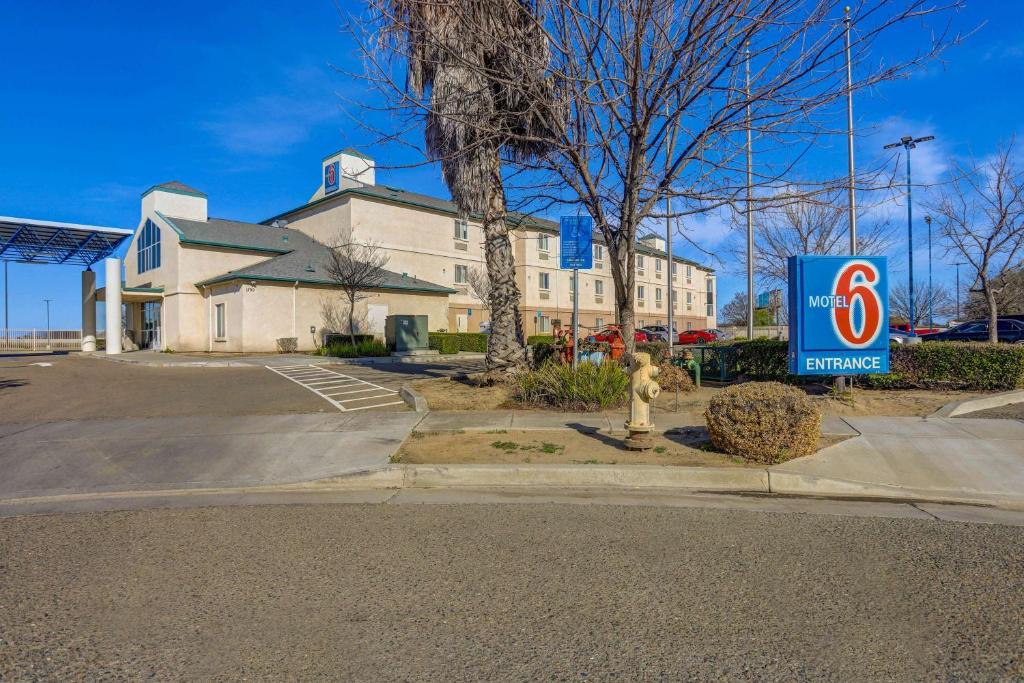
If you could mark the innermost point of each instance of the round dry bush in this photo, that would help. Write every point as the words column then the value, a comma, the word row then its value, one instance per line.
column 672, row 377
column 763, row 422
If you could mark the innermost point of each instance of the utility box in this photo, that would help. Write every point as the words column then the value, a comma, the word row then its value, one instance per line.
column 407, row 333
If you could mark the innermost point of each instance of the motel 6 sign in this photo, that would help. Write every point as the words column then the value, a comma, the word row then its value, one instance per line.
column 331, row 178
column 839, row 315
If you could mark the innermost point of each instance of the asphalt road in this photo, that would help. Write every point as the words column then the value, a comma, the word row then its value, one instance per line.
column 506, row 592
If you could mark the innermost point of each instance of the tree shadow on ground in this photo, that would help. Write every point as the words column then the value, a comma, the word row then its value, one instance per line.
column 12, row 383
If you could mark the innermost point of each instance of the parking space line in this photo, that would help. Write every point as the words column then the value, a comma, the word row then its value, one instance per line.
column 329, row 384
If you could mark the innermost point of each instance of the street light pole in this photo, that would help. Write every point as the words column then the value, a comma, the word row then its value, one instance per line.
column 47, row 321
column 750, row 216
column 931, row 292
column 908, row 143
column 958, row 289
column 852, row 201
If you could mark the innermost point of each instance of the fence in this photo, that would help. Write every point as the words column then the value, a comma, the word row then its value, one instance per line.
column 40, row 340
column 770, row 331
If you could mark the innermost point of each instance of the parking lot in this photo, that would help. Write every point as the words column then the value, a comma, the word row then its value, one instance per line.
column 48, row 388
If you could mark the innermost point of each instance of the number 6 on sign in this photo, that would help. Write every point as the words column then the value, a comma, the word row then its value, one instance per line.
column 857, row 316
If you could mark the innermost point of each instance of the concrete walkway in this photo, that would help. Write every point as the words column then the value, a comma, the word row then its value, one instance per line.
column 95, row 456
column 211, row 360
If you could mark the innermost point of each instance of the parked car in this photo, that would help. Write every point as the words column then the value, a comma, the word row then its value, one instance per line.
column 898, row 336
column 1010, row 330
column 610, row 333
column 698, row 336
column 657, row 332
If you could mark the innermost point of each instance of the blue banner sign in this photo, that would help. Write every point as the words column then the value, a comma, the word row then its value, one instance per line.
column 838, row 315
column 576, row 242
column 331, row 178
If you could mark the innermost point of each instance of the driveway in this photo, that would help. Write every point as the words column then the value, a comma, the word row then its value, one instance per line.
column 94, row 456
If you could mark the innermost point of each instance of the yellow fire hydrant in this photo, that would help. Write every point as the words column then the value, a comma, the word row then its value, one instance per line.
column 642, row 390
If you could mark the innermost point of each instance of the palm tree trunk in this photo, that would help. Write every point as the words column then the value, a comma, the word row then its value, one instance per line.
column 505, row 347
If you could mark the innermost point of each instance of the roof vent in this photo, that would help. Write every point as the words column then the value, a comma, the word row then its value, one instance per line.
column 309, row 266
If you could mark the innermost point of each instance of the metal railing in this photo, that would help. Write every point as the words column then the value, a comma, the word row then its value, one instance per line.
column 40, row 340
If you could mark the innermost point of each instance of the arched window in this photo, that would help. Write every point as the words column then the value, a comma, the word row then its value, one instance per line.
column 148, row 246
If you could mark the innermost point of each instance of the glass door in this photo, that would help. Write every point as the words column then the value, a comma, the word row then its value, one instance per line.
column 150, row 325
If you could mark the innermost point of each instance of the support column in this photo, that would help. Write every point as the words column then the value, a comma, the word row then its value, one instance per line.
column 88, row 310
column 113, row 291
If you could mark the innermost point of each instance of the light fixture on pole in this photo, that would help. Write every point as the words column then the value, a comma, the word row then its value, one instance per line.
column 908, row 142
column 958, row 264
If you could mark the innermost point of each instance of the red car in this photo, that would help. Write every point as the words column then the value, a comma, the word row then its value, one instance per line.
column 698, row 337
column 610, row 333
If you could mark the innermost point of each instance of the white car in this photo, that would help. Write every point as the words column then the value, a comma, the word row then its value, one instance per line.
column 657, row 332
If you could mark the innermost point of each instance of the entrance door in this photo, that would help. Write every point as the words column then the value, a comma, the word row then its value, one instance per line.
column 461, row 322
column 150, row 325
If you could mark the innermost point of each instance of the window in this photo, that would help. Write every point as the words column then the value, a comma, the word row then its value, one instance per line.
column 675, row 299
column 598, row 322
column 599, row 287
column 544, row 243
column 657, row 294
column 639, row 262
column 599, row 252
column 1008, row 326
column 689, row 274
column 689, row 301
column 711, row 311
column 461, row 275
column 675, row 267
column 543, row 323
column 461, row 229
column 219, row 322
column 657, row 265
column 545, row 281
column 640, row 294
column 148, row 247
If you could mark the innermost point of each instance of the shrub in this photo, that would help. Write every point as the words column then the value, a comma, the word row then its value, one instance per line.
column 763, row 422
column 535, row 339
column 333, row 338
column 672, row 377
column 362, row 349
column 968, row 366
column 591, row 387
column 287, row 344
column 762, row 359
column 453, row 342
column 657, row 349
column 542, row 348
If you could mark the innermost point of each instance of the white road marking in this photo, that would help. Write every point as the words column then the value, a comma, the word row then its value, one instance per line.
column 328, row 384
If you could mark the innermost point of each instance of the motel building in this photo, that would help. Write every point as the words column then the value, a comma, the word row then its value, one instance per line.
column 193, row 282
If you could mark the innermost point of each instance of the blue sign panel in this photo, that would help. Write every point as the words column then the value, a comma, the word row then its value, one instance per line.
column 838, row 315
column 576, row 242
column 331, row 178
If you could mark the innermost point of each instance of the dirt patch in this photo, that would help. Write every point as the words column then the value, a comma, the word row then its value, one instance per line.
column 461, row 394
column 1013, row 411
column 689, row 447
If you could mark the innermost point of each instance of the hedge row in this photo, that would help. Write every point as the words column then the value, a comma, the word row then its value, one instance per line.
column 953, row 365
column 453, row 342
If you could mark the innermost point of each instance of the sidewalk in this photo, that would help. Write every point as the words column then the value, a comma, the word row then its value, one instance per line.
column 242, row 360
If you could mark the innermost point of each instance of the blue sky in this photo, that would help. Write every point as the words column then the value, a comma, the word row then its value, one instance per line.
column 241, row 100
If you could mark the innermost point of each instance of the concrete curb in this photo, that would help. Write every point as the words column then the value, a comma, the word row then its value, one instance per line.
column 413, row 398
column 975, row 404
column 324, row 360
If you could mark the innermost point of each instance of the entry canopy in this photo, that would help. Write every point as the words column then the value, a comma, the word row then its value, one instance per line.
column 27, row 240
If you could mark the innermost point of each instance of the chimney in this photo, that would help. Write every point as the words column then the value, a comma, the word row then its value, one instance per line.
column 175, row 200
column 345, row 169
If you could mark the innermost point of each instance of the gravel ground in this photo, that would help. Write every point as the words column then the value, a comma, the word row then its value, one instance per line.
column 509, row 592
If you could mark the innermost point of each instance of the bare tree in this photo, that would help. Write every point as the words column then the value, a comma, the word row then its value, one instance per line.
column 981, row 217
column 814, row 224
column 475, row 81
column 1010, row 299
column 646, row 80
column 480, row 285
column 356, row 268
column 938, row 299
column 735, row 313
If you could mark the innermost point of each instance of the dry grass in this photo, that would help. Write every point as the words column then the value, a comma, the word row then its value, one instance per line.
column 764, row 422
column 688, row 448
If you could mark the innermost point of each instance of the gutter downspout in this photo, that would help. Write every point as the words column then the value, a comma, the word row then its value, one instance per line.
column 295, row 328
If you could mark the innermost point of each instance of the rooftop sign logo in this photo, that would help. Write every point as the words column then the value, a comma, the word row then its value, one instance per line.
column 838, row 315
column 331, row 177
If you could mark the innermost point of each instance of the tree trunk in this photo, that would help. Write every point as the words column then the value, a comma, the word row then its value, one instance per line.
column 624, row 275
column 993, row 312
column 352, row 321
column 505, row 347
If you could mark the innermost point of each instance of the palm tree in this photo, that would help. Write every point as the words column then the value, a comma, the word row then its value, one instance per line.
column 480, row 99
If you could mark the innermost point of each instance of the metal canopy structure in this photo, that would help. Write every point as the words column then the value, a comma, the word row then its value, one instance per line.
column 26, row 240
